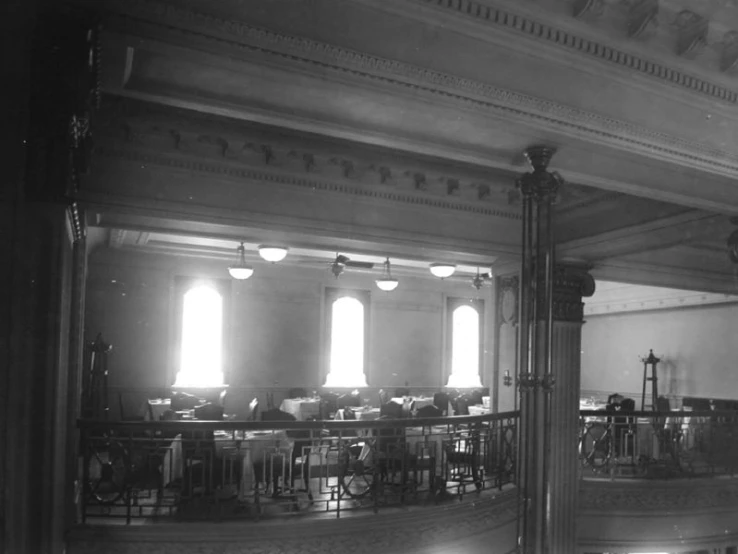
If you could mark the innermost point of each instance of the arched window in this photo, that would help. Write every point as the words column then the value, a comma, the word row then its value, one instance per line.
column 466, row 343
column 201, row 342
column 347, row 340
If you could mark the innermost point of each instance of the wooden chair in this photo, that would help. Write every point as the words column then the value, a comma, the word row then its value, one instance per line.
column 390, row 410
column 461, row 404
column 441, row 401
column 328, row 405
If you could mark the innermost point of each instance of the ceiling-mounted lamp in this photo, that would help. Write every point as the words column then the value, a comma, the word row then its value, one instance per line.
column 273, row 254
column 480, row 278
column 241, row 270
column 386, row 282
column 442, row 270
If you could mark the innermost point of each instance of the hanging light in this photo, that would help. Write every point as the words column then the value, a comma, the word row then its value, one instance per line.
column 273, row 254
column 479, row 280
column 241, row 270
column 386, row 282
column 442, row 270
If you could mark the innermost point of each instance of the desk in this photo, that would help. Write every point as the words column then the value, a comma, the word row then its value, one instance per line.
column 301, row 408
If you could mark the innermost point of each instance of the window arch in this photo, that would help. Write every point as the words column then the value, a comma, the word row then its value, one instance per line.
column 201, row 333
column 347, row 326
column 466, row 342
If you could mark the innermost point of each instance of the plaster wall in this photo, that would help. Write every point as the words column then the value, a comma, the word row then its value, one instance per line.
column 276, row 325
column 698, row 348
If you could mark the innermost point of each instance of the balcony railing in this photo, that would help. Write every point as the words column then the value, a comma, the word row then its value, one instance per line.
column 229, row 469
column 658, row 444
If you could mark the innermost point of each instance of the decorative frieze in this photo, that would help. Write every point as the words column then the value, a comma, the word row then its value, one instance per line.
column 475, row 94
column 642, row 17
column 692, row 36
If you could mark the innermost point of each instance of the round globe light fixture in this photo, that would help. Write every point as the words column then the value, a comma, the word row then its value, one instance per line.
column 387, row 285
column 386, row 282
column 241, row 270
column 442, row 270
column 273, row 254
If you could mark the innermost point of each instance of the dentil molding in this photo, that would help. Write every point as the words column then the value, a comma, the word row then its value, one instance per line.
column 341, row 62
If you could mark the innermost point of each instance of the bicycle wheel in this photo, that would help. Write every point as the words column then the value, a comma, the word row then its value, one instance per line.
column 356, row 476
column 108, row 471
column 596, row 446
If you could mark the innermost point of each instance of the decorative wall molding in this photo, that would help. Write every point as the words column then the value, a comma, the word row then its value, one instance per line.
column 314, row 184
column 680, row 495
column 474, row 94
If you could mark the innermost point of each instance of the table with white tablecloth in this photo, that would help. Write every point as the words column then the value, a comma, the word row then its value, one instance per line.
column 302, row 408
column 248, row 447
column 478, row 409
column 417, row 402
column 154, row 408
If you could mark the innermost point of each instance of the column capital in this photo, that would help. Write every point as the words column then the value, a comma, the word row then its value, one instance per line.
column 571, row 283
column 540, row 183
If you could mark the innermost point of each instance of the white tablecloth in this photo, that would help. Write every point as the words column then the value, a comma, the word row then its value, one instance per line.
column 301, row 408
column 362, row 414
column 478, row 409
column 154, row 408
column 418, row 402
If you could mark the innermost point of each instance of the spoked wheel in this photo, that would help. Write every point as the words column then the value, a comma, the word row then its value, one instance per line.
column 108, row 472
column 356, row 477
column 595, row 446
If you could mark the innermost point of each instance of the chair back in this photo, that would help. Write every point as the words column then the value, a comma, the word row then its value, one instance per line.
column 328, row 405
column 429, row 411
column 297, row 392
column 407, row 407
column 441, row 400
column 390, row 410
column 476, row 397
column 402, row 391
column 461, row 404
column 384, row 397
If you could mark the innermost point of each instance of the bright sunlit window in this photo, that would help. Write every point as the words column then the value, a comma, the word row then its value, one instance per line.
column 466, row 336
column 347, row 343
column 201, row 349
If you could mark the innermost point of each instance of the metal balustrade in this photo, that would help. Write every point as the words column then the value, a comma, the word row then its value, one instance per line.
column 229, row 469
column 657, row 445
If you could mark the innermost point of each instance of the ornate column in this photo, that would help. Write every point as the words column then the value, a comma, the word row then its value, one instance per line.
column 535, row 375
column 550, row 322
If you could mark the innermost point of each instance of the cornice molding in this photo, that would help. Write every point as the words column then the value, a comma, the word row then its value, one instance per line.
column 527, row 25
column 314, row 184
column 473, row 94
